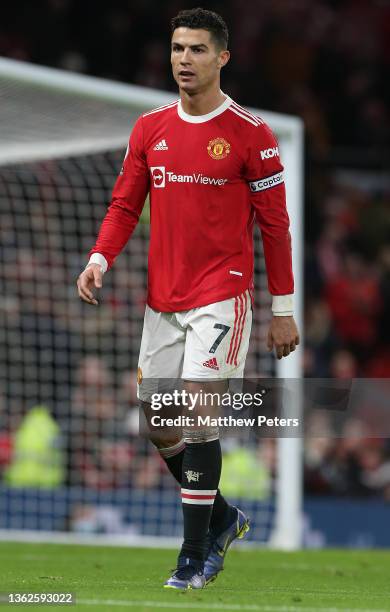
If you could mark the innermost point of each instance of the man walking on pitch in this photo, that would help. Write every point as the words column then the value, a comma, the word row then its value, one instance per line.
column 212, row 169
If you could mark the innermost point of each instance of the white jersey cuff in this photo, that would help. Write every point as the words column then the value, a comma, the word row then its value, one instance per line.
column 98, row 258
column 282, row 305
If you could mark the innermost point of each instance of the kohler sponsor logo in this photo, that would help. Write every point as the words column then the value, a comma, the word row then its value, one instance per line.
column 268, row 153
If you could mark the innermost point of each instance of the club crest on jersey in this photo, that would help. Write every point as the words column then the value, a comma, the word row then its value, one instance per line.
column 139, row 376
column 218, row 148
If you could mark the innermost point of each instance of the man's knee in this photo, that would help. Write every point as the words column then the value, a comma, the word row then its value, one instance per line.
column 162, row 440
column 200, row 436
column 160, row 437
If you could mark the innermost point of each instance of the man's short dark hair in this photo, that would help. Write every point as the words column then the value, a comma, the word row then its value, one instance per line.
column 202, row 19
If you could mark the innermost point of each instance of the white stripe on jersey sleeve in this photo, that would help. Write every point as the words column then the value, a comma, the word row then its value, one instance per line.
column 236, row 112
column 248, row 113
column 161, row 108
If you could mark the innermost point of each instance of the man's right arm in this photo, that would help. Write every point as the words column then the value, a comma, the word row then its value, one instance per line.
column 128, row 199
column 268, row 197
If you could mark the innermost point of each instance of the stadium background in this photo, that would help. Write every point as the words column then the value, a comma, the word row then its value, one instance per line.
column 326, row 62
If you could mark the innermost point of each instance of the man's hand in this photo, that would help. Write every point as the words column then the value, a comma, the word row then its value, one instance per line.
column 89, row 278
column 283, row 335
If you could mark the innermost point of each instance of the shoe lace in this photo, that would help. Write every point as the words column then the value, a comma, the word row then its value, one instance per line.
column 185, row 572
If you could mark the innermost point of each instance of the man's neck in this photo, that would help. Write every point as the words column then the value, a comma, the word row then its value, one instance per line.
column 201, row 103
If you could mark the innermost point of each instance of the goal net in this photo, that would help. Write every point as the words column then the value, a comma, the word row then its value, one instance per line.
column 71, row 459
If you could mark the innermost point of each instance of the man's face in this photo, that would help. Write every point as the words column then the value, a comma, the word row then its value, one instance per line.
column 196, row 61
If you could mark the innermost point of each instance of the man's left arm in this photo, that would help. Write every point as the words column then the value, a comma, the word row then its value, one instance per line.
column 264, row 173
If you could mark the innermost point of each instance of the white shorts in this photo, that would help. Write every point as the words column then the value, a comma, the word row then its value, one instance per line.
column 206, row 343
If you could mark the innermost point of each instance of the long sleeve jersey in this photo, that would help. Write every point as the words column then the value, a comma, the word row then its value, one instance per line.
column 210, row 178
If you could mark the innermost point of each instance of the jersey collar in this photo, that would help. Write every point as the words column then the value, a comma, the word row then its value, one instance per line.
column 202, row 118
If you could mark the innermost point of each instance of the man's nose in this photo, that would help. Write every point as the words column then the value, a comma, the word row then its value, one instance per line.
column 185, row 57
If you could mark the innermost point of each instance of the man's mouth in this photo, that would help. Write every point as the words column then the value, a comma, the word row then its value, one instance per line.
column 186, row 73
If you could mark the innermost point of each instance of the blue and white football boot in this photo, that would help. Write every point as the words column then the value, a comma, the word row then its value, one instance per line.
column 188, row 575
column 218, row 546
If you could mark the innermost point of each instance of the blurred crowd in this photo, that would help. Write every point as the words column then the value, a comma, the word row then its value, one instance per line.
column 325, row 60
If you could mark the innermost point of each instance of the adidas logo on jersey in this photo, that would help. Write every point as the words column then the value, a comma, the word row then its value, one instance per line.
column 211, row 363
column 161, row 146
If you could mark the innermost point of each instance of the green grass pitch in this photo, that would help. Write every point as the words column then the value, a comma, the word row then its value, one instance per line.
column 114, row 579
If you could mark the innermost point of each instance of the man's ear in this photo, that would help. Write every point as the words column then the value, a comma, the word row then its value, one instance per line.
column 223, row 58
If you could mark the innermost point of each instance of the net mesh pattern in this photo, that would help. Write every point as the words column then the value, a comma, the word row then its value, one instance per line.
column 39, row 121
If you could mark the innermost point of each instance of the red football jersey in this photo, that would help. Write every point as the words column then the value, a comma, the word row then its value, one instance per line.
column 210, row 177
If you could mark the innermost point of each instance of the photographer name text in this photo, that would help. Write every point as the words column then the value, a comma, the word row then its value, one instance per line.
column 223, row 421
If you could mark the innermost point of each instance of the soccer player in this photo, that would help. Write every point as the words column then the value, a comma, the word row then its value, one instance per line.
column 212, row 169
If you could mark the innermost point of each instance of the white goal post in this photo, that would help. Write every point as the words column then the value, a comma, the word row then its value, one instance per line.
column 28, row 95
